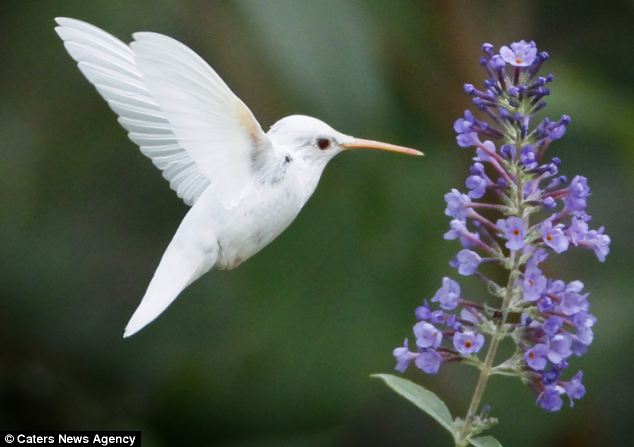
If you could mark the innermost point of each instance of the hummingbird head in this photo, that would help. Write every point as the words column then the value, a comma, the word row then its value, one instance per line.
column 316, row 142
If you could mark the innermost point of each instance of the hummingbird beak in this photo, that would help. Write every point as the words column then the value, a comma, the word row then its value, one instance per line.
column 360, row 143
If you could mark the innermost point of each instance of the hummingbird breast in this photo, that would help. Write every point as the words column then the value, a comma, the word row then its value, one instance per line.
column 266, row 211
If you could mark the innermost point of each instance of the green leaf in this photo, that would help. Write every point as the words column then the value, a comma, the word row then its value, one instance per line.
column 422, row 398
column 485, row 441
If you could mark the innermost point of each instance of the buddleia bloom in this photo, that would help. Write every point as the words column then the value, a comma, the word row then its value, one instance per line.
column 516, row 211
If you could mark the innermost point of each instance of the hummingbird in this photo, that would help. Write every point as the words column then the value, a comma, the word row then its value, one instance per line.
column 244, row 186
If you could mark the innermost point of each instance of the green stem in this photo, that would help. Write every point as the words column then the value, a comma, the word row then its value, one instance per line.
column 487, row 367
column 496, row 338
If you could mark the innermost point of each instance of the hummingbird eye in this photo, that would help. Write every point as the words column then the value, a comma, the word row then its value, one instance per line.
column 323, row 143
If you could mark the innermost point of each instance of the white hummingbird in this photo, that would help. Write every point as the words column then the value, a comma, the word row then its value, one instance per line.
column 244, row 186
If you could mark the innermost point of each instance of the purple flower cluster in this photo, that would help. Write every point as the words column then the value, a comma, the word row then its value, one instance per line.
column 557, row 327
column 457, row 330
column 517, row 210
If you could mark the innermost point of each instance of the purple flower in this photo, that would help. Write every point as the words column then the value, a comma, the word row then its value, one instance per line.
column 535, row 357
column 583, row 320
column 577, row 230
column 539, row 255
column 521, row 54
column 448, row 295
column 478, row 169
column 427, row 336
column 578, row 192
column 574, row 388
column 551, row 376
column 554, row 236
column 496, row 63
column 559, row 348
column 533, row 284
column 467, row 343
column 467, row 139
column 428, row 361
column 477, row 186
column 423, row 312
column 514, row 231
column 549, row 203
column 557, row 132
column 457, row 204
column 599, row 242
column 482, row 153
column 438, row 317
column 552, row 325
column 572, row 301
column 452, row 322
column 469, row 315
column 508, row 150
column 459, row 230
column 467, row 262
column 578, row 348
column 464, row 125
column 545, row 304
column 513, row 91
column 552, row 130
column 579, row 187
column 550, row 399
column 524, row 205
column 528, row 157
column 557, row 286
column 584, row 336
column 487, row 48
column 403, row 356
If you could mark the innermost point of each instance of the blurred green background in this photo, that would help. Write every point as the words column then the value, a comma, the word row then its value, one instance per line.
column 279, row 351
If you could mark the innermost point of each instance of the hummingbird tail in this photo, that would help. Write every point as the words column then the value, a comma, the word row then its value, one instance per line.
column 182, row 263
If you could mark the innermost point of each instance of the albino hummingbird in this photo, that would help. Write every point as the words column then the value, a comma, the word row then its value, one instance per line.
column 244, row 186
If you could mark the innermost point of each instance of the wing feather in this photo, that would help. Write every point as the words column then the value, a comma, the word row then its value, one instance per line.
column 174, row 106
column 204, row 113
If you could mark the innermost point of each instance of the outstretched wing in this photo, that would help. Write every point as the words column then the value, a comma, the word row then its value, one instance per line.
column 175, row 107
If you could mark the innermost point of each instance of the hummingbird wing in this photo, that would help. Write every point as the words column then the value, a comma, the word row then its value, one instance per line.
column 175, row 107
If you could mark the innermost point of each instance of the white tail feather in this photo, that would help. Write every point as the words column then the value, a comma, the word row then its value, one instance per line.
column 184, row 261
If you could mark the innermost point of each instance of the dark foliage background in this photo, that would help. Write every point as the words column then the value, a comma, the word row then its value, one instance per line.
column 278, row 352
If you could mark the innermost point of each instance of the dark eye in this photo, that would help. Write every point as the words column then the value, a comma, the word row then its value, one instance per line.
column 323, row 143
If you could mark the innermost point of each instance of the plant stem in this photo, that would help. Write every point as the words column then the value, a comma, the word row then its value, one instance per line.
column 496, row 338
column 486, row 370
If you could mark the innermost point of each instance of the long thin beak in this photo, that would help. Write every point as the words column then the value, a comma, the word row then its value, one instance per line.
column 360, row 143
